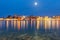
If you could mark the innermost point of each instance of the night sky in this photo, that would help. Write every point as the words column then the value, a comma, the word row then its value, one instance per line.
column 27, row 7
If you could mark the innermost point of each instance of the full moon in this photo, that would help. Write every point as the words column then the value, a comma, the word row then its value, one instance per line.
column 35, row 3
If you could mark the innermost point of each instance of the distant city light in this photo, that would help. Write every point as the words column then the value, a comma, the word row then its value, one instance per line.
column 46, row 21
column 24, row 16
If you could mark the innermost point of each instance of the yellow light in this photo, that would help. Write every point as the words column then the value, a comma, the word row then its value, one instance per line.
column 18, row 25
column 38, row 23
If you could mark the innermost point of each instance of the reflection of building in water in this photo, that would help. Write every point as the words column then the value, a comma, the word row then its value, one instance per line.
column 0, row 24
column 53, row 23
column 45, row 22
column 7, row 24
column 15, row 24
column 49, row 23
column 31, row 23
column 12, row 23
column 57, row 21
column 23, row 24
column 26, row 24
column 38, row 23
column 18, row 25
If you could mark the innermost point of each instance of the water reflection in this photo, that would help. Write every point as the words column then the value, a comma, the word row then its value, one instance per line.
column 38, row 25
column 18, row 25
column 7, row 24
column 0, row 24
column 15, row 23
column 30, row 25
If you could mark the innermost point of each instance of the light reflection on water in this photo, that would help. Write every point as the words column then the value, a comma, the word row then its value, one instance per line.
column 30, row 26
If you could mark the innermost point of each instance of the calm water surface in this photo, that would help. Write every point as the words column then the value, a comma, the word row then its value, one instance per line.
column 29, row 26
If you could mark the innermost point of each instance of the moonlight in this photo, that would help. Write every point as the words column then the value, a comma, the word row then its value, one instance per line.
column 35, row 3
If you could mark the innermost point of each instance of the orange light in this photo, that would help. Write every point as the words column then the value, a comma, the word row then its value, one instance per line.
column 18, row 25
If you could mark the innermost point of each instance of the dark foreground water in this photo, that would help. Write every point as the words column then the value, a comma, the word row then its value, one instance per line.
column 29, row 30
column 27, row 36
